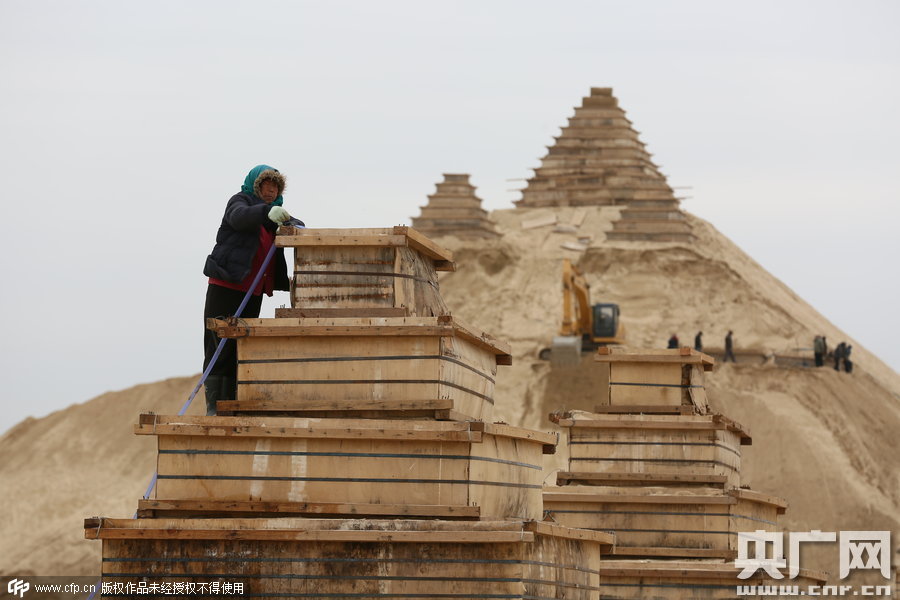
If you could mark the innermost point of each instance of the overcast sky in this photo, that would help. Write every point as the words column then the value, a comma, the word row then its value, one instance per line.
column 126, row 126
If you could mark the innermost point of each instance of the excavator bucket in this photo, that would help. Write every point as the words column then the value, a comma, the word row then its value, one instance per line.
column 566, row 350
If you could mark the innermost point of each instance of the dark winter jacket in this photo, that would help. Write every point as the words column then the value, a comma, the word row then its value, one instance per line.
column 238, row 240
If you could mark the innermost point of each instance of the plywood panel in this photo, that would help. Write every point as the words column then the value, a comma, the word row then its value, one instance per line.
column 501, row 475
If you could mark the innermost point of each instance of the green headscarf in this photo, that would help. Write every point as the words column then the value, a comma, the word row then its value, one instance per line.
column 247, row 188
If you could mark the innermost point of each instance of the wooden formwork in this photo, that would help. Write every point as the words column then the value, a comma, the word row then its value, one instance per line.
column 676, row 580
column 664, row 445
column 286, row 463
column 654, row 378
column 665, row 522
column 323, row 558
column 345, row 269
column 412, row 367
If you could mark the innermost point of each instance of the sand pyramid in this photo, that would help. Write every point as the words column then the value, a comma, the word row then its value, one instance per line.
column 454, row 209
column 598, row 159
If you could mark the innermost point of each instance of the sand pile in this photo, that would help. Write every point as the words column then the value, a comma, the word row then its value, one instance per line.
column 822, row 439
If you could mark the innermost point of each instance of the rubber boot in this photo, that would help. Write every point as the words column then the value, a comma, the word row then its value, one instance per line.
column 213, row 388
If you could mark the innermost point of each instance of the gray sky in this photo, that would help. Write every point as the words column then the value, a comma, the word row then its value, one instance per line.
column 126, row 126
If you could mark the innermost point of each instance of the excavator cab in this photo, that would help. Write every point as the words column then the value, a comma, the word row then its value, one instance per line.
column 606, row 321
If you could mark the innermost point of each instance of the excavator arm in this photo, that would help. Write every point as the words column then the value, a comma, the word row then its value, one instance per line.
column 577, row 314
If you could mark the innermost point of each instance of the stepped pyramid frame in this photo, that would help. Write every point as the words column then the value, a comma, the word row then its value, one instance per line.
column 664, row 475
column 454, row 209
column 359, row 459
column 599, row 160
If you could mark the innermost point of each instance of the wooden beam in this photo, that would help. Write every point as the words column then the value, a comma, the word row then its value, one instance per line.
column 562, row 496
column 673, row 552
column 418, row 241
column 502, row 429
column 335, row 508
column 335, row 405
column 545, row 528
column 340, row 313
column 644, row 478
column 450, row 431
column 294, row 241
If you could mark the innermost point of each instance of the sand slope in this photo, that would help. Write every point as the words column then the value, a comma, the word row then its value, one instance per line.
column 824, row 440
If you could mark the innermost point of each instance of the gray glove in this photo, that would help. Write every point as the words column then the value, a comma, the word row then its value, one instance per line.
column 279, row 215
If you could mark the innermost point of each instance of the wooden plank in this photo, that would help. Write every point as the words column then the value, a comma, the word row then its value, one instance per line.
column 683, row 355
column 551, row 494
column 656, row 552
column 313, row 508
column 569, row 533
column 340, row 313
column 152, row 424
column 482, row 339
column 433, row 537
column 640, row 478
column 502, row 429
column 420, row 242
column 647, row 409
column 336, row 405
column 245, row 329
column 248, row 431
column 755, row 496
column 295, row 241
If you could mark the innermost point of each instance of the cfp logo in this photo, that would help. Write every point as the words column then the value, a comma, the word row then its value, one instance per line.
column 17, row 587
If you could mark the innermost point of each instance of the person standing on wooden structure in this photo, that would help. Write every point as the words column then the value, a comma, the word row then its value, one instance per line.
column 819, row 350
column 245, row 236
column 729, row 348
column 698, row 341
column 673, row 342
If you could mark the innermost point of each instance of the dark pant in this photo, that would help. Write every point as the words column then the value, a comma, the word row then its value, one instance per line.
column 818, row 359
column 224, row 302
column 729, row 353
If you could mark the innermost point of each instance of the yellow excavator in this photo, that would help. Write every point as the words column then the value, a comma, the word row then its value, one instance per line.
column 585, row 327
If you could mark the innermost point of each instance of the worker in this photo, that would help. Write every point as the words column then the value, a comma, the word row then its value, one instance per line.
column 819, row 350
column 698, row 341
column 839, row 355
column 729, row 348
column 673, row 341
column 848, row 364
column 245, row 236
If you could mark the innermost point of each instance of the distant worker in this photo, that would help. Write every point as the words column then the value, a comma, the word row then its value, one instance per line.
column 819, row 350
column 729, row 348
column 839, row 355
column 245, row 236
column 848, row 364
column 673, row 341
column 698, row 341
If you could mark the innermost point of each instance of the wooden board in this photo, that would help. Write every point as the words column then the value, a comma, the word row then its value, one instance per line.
column 365, row 277
column 325, row 375
column 683, row 355
column 672, row 522
column 361, row 327
column 644, row 379
column 366, row 462
column 650, row 444
column 153, row 508
column 351, row 558
column 399, row 236
column 675, row 580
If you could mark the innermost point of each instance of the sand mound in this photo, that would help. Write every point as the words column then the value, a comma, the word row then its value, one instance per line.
column 822, row 439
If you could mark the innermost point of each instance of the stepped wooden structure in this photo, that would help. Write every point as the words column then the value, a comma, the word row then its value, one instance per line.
column 455, row 210
column 655, row 466
column 359, row 459
column 598, row 159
